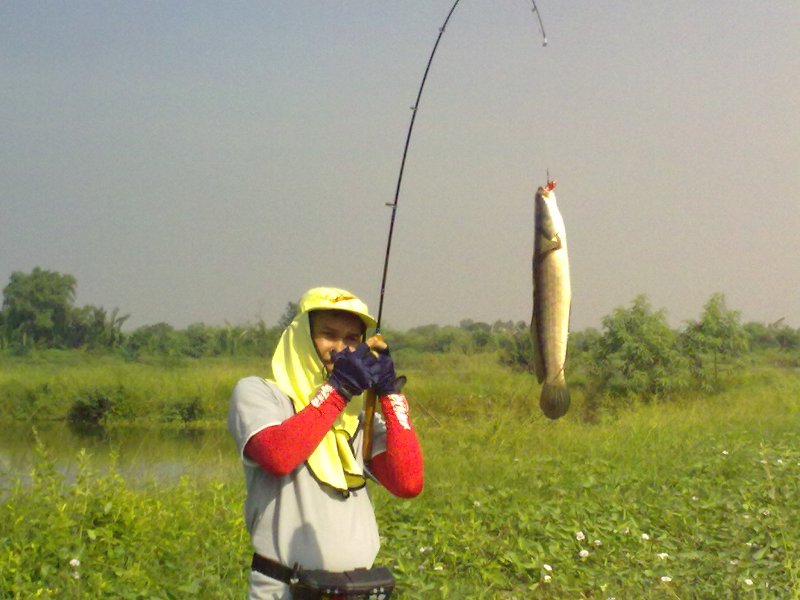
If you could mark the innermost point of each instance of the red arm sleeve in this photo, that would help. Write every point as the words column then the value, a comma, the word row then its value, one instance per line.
column 400, row 467
column 280, row 449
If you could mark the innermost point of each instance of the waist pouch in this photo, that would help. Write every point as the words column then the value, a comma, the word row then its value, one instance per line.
column 317, row 584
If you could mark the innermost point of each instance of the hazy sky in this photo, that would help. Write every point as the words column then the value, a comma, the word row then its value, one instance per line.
column 208, row 161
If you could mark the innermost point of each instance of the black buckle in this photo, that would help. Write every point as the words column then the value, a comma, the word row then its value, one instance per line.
column 294, row 579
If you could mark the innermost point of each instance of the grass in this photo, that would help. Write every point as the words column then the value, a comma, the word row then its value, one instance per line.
column 51, row 385
column 700, row 492
column 694, row 498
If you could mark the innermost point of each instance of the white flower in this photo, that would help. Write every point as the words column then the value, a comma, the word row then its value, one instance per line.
column 424, row 549
column 725, row 452
column 695, row 498
column 666, row 579
column 76, row 575
column 645, row 537
column 583, row 553
column 476, row 504
column 547, row 579
column 580, row 536
column 438, row 568
column 734, row 561
column 779, row 461
column 598, row 543
column 547, row 567
column 662, row 555
column 75, row 563
column 748, row 581
column 765, row 512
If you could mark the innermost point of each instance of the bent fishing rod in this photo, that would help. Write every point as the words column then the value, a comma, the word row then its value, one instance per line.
column 376, row 342
column 414, row 110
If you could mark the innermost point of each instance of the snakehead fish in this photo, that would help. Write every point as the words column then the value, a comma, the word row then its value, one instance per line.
column 551, row 302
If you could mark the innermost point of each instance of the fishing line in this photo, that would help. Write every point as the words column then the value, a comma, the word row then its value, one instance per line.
column 414, row 110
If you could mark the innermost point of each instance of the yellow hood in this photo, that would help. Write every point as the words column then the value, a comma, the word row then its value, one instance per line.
column 298, row 371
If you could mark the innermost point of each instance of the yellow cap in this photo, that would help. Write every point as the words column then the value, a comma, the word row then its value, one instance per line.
column 327, row 298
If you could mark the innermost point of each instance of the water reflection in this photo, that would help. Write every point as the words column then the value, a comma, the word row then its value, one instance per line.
column 142, row 454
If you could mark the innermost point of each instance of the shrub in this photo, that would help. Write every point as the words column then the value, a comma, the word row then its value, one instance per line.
column 95, row 407
column 637, row 354
column 515, row 349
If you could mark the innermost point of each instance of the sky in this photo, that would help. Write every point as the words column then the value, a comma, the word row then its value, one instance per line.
column 208, row 162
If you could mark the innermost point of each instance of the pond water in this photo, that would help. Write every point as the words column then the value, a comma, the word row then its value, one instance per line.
column 141, row 454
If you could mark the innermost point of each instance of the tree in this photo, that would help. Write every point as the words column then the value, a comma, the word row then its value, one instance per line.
column 160, row 338
column 515, row 348
column 481, row 333
column 288, row 315
column 718, row 332
column 637, row 353
column 92, row 327
column 260, row 340
column 37, row 306
column 775, row 335
column 717, row 336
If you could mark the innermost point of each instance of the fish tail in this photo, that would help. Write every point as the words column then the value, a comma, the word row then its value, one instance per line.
column 554, row 400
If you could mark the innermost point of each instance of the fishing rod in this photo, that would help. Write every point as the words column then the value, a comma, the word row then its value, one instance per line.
column 377, row 340
column 414, row 110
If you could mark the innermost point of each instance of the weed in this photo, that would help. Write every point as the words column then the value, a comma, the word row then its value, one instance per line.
column 692, row 498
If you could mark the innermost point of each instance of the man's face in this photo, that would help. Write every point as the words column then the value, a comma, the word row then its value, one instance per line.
column 333, row 330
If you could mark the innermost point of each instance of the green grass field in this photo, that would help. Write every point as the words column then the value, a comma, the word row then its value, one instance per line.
column 692, row 498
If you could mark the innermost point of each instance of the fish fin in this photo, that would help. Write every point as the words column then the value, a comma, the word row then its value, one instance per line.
column 538, row 359
column 547, row 244
column 554, row 400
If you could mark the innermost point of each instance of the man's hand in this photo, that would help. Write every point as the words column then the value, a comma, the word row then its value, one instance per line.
column 387, row 381
column 353, row 370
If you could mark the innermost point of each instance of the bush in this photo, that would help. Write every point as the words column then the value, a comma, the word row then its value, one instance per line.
column 638, row 354
column 515, row 349
column 96, row 406
column 186, row 411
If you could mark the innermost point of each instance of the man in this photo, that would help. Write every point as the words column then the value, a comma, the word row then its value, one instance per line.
column 300, row 438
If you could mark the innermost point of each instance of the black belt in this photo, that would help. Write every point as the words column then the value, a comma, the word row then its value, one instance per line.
column 317, row 583
column 274, row 569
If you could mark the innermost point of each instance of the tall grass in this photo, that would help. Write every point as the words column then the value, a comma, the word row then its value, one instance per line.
column 695, row 498
column 99, row 537
column 56, row 385
column 692, row 499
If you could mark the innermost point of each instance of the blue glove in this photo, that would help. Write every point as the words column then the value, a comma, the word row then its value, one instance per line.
column 387, row 381
column 353, row 370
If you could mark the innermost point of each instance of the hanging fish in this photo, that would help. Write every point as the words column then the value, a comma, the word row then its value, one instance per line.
column 551, row 302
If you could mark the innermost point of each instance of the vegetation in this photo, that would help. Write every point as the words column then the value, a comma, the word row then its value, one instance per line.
column 99, row 537
column 157, row 373
column 99, row 389
column 690, row 498
column 674, row 475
